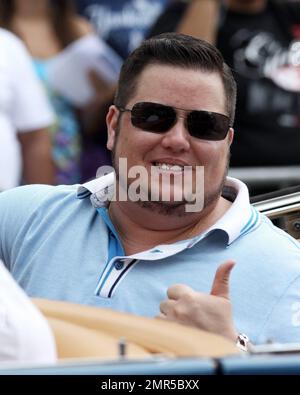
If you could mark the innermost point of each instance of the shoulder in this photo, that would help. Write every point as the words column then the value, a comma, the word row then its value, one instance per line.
column 34, row 206
column 269, row 250
column 24, row 200
column 25, row 209
column 9, row 37
column 11, row 42
column 276, row 236
column 83, row 26
column 16, row 57
column 263, row 232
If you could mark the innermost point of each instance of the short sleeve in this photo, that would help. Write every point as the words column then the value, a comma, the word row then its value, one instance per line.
column 31, row 109
column 18, row 208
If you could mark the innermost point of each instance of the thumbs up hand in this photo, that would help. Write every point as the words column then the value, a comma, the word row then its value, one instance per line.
column 210, row 312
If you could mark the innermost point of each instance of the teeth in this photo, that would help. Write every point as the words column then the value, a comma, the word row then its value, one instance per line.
column 167, row 166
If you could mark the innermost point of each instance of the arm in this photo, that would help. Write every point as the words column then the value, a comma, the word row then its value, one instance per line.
column 201, row 20
column 31, row 114
column 93, row 114
column 82, row 26
column 211, row 312
column 38, row 166
column 25, row 334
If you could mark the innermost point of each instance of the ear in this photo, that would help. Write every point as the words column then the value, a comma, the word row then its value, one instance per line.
column 230, row 136
column 111, row 123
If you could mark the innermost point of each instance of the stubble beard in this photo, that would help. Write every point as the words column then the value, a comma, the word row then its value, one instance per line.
column 169, row 208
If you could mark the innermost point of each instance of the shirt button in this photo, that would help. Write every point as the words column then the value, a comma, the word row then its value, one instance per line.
column 119, row 265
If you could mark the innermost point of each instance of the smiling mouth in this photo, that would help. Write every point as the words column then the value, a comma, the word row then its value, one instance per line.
column 168, row 167
column 175, row 168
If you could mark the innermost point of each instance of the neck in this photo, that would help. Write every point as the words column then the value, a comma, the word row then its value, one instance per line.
column 31, row 9
column 141, row 228
column 247, row 6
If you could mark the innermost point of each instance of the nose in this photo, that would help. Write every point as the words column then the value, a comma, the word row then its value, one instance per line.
column 177, row 138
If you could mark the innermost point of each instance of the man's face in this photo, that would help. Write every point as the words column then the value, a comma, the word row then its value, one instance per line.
column 184, row 89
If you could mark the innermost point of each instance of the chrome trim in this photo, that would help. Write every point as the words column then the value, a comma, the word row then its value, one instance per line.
column 278, row 206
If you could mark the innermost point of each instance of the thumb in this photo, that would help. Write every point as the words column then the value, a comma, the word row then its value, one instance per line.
column 220, row 285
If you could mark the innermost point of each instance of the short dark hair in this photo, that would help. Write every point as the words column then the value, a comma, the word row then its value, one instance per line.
column 175, row 50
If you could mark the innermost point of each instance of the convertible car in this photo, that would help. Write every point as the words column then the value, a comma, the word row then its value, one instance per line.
column 93, row 341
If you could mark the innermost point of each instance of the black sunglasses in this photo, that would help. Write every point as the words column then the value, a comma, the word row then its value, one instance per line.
column 158, row 118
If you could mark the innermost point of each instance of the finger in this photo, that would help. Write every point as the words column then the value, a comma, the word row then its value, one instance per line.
column 166, row 306
column 220, row 285
column 176, row 291
column 161, row 316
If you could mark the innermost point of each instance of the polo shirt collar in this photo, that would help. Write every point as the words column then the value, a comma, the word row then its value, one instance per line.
column 241, row 216
column 238, row 220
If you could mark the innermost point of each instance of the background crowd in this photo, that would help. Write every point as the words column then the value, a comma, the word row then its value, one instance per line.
column 48, row 136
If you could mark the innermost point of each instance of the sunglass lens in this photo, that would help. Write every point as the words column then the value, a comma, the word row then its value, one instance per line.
column 207, row 125
column 153, row 117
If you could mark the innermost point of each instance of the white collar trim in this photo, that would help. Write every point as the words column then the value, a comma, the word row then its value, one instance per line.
column 238, row 219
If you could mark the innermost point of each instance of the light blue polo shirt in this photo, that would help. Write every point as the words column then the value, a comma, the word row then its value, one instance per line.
column 59, row 243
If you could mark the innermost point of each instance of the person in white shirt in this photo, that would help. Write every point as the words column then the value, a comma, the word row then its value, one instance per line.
column 25, row 115
column 25, row 335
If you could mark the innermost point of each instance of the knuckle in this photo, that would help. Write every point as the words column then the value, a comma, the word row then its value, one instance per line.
column 178, row 312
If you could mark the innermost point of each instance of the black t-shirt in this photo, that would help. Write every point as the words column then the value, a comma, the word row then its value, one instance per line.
column 169, row 19
column 262, row 49
column 123, row 24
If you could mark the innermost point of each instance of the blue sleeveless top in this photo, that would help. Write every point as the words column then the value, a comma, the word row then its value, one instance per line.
column 65, row 132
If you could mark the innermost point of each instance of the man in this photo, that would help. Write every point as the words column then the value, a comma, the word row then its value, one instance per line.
column 123, row 244
column 25, row 115
column 25, row 335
